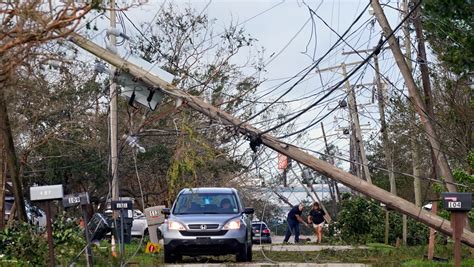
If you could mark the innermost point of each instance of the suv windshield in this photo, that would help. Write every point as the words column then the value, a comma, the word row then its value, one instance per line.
column 206, row 203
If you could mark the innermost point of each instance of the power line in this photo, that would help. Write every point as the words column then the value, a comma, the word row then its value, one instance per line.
column 310, row 68
column 374, row 52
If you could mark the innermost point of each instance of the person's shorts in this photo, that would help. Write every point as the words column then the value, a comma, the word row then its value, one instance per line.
column 317, row 225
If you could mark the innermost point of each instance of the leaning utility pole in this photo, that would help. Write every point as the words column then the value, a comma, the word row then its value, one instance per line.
column 415, row 97
column 352, row 103
column 324, row 168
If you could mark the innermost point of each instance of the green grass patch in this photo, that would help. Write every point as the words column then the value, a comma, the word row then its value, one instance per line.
column 375, row 255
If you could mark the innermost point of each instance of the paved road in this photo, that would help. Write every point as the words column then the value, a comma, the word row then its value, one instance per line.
column 278, row 245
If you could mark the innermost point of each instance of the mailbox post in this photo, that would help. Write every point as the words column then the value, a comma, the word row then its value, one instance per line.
column 459, row 204
column 123, row 207
column 82, row 199
column 47, row 193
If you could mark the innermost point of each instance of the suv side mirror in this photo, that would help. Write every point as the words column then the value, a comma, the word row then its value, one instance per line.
column 249, row 210
column 166, row 211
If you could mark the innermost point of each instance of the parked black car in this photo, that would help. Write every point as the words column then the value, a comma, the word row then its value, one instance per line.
column 261, row 233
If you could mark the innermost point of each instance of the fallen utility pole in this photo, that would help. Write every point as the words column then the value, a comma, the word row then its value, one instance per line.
column 293, row 152
column 415, row 97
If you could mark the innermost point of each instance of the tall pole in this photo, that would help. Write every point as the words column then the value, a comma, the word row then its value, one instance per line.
column 355, row 120
column 113, row 121
column 335, row 195
column 414, row 144
column 415, row 97
column 385, row 141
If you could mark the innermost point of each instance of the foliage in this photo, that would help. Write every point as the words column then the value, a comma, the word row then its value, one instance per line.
column 448, row 27
column 182, row 41
column 362, row 221
column 27, row 244
column 68, row 239
column 24, row 243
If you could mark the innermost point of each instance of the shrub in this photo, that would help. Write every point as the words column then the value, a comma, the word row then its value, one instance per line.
column 22, row 242
column 362, row 221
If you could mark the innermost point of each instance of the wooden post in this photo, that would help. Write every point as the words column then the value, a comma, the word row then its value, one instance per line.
column 49, row 229
column 458, row 220
column 387, row 225
column 431, row 240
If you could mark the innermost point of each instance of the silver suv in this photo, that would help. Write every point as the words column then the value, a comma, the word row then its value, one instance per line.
column 207, row 221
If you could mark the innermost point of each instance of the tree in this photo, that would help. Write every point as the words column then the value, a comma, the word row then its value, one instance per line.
column 25, row 28
column 183, row 42
column 448, row 27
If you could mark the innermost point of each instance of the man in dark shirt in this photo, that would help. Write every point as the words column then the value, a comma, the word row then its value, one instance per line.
column 294, row 218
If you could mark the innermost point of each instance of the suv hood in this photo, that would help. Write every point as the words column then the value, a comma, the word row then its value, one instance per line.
column 205, row 218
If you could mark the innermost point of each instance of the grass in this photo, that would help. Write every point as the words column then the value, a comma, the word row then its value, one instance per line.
column 375, row 254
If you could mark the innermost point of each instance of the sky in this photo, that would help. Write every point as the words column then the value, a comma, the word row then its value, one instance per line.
column 293, row 40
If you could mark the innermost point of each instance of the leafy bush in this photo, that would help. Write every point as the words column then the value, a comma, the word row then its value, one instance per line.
column 23, row 243
column 68, row 239
column 362, row 221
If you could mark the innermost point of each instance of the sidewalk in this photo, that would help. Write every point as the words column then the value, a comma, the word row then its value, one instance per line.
column 277, row 245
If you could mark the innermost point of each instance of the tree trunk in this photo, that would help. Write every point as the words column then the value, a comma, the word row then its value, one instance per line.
column 3, row 178
column 12, row 161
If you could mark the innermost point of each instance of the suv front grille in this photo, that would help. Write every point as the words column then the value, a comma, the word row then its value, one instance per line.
column 198, row 226
column 204, row 233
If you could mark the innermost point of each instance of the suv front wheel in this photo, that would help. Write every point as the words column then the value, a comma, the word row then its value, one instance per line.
column 244, row 254
column 170, row 256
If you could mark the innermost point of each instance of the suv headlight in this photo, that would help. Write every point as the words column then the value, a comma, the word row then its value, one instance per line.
column 173, row 225
column 232, row 225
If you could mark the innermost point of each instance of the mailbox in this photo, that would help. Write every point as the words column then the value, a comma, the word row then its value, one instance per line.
column 122, row 205
column 47, row 192
column 76, row 199
column 457, row 201
column 154, row 216
column 154, row 219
